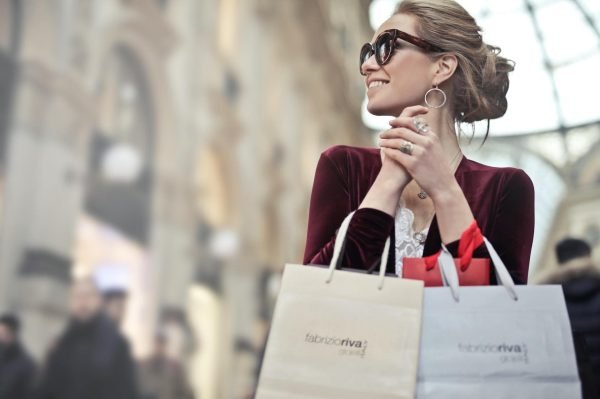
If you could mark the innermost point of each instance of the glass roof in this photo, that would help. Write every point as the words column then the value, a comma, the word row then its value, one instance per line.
column 556, row 46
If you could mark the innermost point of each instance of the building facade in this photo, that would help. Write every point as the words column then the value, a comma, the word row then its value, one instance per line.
column 169, row 147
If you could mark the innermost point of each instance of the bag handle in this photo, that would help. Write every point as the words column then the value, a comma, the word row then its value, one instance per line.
column 450, row 275
column 338, row 247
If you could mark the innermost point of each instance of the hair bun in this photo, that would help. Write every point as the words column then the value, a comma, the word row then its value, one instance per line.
column 480, row 81
column 493, row 88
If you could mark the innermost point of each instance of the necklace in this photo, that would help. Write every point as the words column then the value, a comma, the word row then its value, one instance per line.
column 422, row 194
column 421, row 236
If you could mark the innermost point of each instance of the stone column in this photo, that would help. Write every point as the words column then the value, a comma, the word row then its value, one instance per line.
column 45, row 168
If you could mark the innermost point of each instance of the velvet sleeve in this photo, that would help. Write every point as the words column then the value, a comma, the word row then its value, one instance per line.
column 511, row 232
column 330, row 203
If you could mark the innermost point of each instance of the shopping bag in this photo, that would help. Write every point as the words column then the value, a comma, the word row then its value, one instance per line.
column 338, row 334
column 495, row 342
column 471, row 271
column 477, row 273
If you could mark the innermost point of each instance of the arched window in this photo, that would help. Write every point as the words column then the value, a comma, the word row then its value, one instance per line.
column 125, row 108
column 122, row 147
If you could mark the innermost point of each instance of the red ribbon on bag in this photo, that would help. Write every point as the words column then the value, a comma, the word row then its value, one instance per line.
column 470, row 240
column 431, row 260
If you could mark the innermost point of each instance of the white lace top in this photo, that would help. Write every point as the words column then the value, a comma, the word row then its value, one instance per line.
column 406, row 243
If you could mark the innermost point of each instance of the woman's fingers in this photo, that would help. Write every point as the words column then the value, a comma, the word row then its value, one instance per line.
column 407, row 118
column 406, row 134
column 406, row 122
column 396, row 144
column 398, row 156
column 417, row 124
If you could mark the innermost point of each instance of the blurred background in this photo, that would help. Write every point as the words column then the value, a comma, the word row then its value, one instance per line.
column 167, row 148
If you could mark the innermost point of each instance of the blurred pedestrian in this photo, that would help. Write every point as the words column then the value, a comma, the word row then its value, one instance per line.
column 115, row 304
column 162, row 377
column 91, row 359
column 112, row 280
column 17, row 369
column 580, row 280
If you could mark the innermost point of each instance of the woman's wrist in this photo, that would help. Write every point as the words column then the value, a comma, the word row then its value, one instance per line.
column 446, row 195
column 390, row 178
column 385, row 193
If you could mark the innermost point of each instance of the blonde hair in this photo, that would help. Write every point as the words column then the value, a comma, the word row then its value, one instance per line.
column 480, row 82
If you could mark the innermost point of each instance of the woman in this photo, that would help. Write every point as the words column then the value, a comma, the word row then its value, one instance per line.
column 429, row 65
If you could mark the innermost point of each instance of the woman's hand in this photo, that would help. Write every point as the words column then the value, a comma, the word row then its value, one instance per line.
column 427, row 162
column 385, row 192
column 391, row 169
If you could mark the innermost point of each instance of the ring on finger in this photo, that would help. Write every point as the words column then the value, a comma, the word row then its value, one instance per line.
column 406, row 147
column 421, row 124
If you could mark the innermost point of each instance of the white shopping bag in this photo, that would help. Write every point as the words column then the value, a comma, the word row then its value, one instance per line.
column 338, row 334
column 495, row 342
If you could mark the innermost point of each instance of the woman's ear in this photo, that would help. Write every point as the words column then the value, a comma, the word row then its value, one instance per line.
column 444, row 68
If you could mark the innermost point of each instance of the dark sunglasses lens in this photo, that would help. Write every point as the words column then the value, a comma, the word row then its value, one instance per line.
column 365, row 54
column 384, row 48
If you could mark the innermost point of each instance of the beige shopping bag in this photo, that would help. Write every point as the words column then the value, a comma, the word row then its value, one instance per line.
column 338, row 334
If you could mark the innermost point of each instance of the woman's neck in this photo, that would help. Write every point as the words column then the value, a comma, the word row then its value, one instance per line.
column 441, row 123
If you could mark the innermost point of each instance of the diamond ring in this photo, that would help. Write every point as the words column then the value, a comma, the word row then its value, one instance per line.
column 421, row 124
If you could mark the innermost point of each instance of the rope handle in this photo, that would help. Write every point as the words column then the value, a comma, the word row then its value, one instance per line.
column 338, row 247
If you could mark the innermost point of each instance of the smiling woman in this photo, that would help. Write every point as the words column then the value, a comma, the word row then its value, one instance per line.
column 553, row 66
column 428, row 66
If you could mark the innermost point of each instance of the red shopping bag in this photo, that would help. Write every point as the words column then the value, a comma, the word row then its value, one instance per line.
column 471, row 271
column 477, row 272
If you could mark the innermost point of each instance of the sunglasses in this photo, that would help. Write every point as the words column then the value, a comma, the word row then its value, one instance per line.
column 386, row 43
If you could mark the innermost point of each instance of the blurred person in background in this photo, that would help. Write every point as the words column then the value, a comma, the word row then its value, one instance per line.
column 17, row 369
column 162, row 377
column 115, row 304
column 91, row 358
column 580, row 280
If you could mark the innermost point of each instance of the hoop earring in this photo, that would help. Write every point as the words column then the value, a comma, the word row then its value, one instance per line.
column 435, row 89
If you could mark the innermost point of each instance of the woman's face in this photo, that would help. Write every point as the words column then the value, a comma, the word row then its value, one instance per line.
column 406, row 77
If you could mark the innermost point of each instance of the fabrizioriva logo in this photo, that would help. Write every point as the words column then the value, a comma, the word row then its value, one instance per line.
column 346, row 346
column 507, row 353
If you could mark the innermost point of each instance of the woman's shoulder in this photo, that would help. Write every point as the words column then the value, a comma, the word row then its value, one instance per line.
column 357, row 167
column 341, row 153
column 344, row 156
column 507, row 175
column 354, row 160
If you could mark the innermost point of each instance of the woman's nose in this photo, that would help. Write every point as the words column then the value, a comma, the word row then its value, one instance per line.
column 369, row 65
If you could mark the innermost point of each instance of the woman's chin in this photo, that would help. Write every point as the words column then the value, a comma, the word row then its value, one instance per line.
column 378, row 110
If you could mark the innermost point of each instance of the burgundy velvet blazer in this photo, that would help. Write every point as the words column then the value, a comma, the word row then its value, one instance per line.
column 501, row 199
